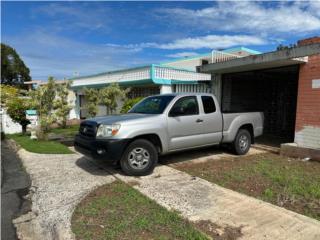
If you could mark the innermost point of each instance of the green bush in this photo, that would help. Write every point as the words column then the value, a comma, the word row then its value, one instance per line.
column 129, row 103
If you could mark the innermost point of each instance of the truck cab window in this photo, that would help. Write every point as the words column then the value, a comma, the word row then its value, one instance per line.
column 208, row 104
column 185, row 106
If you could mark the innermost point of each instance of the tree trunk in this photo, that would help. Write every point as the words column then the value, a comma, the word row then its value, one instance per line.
column 24, row 129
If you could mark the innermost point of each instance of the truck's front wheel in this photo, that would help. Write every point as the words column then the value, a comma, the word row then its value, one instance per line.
column 140, row 158
column 242, row 142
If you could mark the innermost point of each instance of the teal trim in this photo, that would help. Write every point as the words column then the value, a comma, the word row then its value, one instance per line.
column 184, row 82
column 152, row 71
column 121, row 83
column 163, row 81
column 152, row 79
column 31, row 112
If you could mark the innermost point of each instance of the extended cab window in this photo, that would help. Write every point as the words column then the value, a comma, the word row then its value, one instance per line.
column 185, row 106
column 208, row 104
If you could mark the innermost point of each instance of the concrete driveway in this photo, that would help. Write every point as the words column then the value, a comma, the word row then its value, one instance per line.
column 59, row 182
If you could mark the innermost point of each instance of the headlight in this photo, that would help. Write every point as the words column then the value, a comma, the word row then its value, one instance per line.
column 108, row 130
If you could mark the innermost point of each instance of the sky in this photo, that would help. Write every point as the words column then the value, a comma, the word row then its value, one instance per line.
column 66, row 39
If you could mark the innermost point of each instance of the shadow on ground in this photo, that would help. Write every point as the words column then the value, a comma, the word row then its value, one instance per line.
column 188, row 155
column 102, row 167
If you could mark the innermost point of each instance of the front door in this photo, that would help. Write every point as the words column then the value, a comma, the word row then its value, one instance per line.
column 184, row 124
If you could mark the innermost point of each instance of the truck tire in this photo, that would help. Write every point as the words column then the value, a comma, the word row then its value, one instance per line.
column 139, row 158
column 242, row 142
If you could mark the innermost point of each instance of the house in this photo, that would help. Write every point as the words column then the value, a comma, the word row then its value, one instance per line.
column 179, row 75
column 284, row 84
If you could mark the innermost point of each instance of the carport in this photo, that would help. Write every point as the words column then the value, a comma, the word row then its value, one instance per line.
column 272, row 91
column 265, row 82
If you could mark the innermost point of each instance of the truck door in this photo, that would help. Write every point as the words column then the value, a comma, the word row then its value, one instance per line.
column 212, row 121
column 184, row 125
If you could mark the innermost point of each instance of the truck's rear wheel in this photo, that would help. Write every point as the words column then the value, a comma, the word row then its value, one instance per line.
column 242, row 142
column 140, row 158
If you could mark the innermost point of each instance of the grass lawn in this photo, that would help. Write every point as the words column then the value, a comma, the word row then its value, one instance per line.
column 118, row 211
column 286, row 182
column 69, row 131
column 39, row 146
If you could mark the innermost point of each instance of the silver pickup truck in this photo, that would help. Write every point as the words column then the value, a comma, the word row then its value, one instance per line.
column 164, row 124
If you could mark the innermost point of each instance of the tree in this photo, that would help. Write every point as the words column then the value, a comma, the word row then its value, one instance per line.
column 42, row 100
column 7, row 92
column 92, row 101
column 13, row 69
column 129, row 103
column 61, row 105
column 109, row 96
column 16, row 108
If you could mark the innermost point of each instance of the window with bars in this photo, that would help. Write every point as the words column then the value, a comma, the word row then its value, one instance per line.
column 143, row 91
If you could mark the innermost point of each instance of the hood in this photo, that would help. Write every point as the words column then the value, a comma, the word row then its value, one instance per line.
column 120, row 118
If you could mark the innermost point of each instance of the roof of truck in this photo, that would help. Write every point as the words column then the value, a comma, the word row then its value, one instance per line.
column 184, row 93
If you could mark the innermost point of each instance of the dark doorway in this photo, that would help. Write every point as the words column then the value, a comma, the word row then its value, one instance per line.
column 272, row 91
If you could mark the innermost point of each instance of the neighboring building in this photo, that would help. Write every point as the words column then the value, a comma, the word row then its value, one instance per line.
column 284, row 84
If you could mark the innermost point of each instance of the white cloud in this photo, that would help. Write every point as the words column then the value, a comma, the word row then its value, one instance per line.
column 213, row 42
column 209, row 41
column 253, row 17
column 182, row 54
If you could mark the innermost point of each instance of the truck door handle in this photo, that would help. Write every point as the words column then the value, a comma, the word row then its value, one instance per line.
column 199, row 120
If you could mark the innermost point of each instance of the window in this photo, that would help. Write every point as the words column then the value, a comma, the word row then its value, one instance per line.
column 208, row 104
column 152, row 105
column 185, row 106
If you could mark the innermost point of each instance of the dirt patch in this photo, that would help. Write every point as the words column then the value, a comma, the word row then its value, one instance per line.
column 286, row 182
column 217, row 232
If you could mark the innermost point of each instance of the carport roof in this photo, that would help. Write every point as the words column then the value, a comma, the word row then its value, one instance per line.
column 274, row 59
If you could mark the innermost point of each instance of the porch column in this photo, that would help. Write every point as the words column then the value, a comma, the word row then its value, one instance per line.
column 216, row 86
column 165, row 89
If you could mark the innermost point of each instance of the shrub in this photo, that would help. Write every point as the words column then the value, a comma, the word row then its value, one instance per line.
column 129, row 103
column 16, row 108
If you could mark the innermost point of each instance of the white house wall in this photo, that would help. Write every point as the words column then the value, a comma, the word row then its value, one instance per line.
column 8, row 126
column 125, row 75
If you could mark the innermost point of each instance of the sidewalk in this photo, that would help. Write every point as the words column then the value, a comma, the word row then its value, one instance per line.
column 61, row 181
column 197, row 199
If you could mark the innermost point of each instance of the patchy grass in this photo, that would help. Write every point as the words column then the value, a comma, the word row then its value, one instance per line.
column 286, row 182
column 39, row 146
column 117, row 211
column 69, row 131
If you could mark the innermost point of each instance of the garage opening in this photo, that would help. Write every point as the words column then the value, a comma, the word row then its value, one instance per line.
column 272, row 91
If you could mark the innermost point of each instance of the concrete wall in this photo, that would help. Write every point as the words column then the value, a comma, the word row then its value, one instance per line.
column 7, row 125
column 307, row 131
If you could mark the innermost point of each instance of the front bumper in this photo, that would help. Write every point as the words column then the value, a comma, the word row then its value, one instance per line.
column 106, row 149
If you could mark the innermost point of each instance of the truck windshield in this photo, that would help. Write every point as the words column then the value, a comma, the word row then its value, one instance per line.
column 152, row 105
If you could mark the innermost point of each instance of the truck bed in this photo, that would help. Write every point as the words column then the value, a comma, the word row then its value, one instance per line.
column 232, row 122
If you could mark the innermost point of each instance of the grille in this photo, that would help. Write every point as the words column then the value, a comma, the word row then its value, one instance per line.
column 88, row 129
